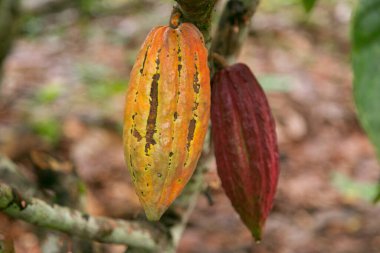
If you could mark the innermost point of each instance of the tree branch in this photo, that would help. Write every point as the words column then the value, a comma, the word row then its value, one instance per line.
column 233, row 28
column 63, row 219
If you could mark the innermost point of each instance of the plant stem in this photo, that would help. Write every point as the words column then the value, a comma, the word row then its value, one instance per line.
column 70, row 221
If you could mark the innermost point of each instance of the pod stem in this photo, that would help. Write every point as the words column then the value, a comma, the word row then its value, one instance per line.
column 175, row 18
column 219, row 61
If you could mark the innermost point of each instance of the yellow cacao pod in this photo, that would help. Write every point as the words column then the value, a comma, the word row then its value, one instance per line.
column 166, row 114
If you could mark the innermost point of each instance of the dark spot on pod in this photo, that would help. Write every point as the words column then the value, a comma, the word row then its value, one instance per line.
column 135, row 100
column 137, row 134
column 196, row 84
column 151, row 122
column 171, row 154
column 175, row 115
column 195, row 107
column 159, row 175
column 145, row 56
column 190, row 133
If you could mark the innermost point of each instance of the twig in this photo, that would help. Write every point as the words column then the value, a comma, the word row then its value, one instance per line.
column 219, row 60
column 66, row 220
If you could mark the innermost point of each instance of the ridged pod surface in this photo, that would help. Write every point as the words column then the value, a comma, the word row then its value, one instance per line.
column 246, row 151
column 166, row 114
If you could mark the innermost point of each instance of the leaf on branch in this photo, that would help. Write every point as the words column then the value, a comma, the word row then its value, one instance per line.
column 377, row 198
column 309, row 4
column 366, row 66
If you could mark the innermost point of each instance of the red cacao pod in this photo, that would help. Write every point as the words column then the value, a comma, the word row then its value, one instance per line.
column 246, row 151
column 166, row 114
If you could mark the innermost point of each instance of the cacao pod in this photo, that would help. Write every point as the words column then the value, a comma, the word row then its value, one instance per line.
column 166, row 114
column 246, row 151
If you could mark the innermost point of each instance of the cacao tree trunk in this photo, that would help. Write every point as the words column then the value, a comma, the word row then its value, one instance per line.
column 9, row 13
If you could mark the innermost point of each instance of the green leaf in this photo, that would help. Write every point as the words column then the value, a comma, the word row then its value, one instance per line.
column 366, row 67
column 377, row 198
column 106, row 89
column 276, row 82
column 49, row 93
column 309, row 4
column 48, row 129
column 366, row 24
column 353, row 189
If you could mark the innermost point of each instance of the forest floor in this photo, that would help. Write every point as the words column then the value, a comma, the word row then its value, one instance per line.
column 63, row 92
